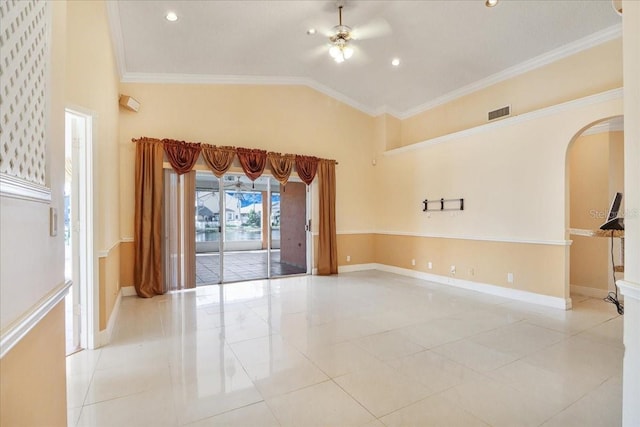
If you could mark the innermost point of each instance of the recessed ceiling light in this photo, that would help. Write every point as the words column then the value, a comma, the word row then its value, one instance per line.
column 395, row 62
column 491, row 3
column 171, row 16
column 311, row 31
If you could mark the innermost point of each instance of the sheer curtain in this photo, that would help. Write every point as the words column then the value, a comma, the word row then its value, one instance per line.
column 179, row 230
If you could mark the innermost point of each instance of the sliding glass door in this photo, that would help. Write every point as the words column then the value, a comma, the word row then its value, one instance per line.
column 289, row 231
column 246, row 230
column 245, row 235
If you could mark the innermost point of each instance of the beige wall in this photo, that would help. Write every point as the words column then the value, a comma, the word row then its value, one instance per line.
column 360, row 247
column 512, row 178
column 127, row 250
column 93, row 77
column 93, row 86
column 535, row 268
column 592, row 71
column 589, row 180
column 32, row 374
column 290, row 119
column 109, row 284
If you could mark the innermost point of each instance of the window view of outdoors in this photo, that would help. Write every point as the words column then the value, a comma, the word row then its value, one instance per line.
column 243, row 215
column 248, row 252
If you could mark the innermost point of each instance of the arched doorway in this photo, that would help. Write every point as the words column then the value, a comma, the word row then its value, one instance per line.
column 595, row 173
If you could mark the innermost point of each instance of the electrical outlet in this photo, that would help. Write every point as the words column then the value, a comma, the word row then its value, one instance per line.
column 510, row 277
column 429, row 265
column 413, row 262
column 453, row 269
column 472, row 272
column 348, row 258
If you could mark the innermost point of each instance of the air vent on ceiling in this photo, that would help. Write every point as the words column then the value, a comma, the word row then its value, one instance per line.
column 500, row 112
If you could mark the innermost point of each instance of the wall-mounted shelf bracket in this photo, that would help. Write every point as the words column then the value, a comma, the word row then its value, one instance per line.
column 443, row 205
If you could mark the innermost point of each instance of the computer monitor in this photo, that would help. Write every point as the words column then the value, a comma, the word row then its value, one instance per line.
column 613, row 222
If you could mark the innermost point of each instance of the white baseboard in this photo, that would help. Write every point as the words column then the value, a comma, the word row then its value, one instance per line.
column 350, row 268
column 589, row 292
column 485, row 288
column 356, row 267
column 128, row 291
column 104, row 336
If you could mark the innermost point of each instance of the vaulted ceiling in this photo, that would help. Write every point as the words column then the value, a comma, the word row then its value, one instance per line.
column 444, row 46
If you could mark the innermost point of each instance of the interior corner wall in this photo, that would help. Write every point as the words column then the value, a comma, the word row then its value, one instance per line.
column 286, row 119
column 93, row 85
column 32, row 373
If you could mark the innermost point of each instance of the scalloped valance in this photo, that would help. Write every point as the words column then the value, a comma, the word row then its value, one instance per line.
column 183, row 156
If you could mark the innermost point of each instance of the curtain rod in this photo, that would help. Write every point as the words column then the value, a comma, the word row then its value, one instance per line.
column 211, row 145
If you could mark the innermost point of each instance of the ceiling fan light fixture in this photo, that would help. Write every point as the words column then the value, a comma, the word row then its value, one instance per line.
column 340, row 49
column 341, row 52
column 347, row 51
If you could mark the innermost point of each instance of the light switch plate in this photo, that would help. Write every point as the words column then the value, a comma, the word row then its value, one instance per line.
column 53, row 222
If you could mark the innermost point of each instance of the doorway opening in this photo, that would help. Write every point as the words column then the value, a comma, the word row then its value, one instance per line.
column 248, row 230
column 78, row 238
column 595, row 165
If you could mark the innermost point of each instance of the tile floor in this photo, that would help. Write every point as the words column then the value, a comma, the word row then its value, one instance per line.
column 358, row 349
column 241, row 266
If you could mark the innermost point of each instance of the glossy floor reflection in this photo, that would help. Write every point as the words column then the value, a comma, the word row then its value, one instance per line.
column 358, row 349
column 242, row 266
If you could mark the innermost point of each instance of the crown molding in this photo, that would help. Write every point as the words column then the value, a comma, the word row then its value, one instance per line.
column 511, row 121
column 569, row 49
column 117, row 39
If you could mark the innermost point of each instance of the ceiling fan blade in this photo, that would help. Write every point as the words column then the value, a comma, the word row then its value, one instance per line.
column 360, row 57
column 379, row 27
column 317, row 52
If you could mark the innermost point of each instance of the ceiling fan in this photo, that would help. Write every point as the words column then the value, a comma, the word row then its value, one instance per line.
column 236, row 183
column 340, row 49
column 341, row 36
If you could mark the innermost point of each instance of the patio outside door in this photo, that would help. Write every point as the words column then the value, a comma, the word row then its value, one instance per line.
column 249, row 230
